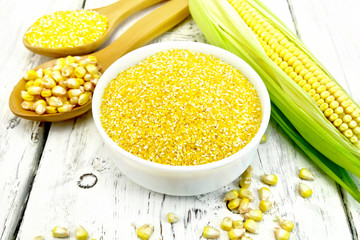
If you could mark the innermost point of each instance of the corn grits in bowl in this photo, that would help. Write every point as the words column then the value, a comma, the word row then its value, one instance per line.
column 182, row 118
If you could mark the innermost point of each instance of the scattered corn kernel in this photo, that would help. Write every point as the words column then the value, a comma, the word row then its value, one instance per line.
column 264, row 193
column 265, row 205
column 245, row 182
column 263, row 138
column 60, row 232
column 305, row 190
column 286, row 224
column 172, row 217
column 247, row 172
column 238, row 224
column 39, row 238
column 251, row 226
column 67, row 29
column 226, row 224
column 254, row 214
column 211, row 233
column 81, row 233
column 269, row 179
column 306, row 174
column 281, row 234
column 144, row 232
column 233, row 204
column 245, row 238
column 231, row 195
column 246, row 193
column 236, row 233
column 197, row 124
column 244, row 205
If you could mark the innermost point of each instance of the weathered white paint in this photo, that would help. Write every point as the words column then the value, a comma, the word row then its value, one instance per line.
column 21, row 140
column 115, row 206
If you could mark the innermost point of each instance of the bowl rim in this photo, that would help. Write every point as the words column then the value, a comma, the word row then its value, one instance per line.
column 139, row 54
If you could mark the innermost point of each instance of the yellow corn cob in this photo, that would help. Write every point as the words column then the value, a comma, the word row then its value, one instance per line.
column 336, row 106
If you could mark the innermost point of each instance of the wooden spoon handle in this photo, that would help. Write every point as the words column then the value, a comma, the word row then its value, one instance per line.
column 146, row 29
column 120, row 10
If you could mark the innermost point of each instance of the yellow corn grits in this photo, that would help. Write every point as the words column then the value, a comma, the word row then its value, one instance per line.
column 67, row 29
column 181, row 107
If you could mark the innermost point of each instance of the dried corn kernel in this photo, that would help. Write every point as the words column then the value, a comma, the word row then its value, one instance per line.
column 244, row 205
column 33, row 90
column 247, row 172
column 245, row 238
column 81, row 233
column 60, row 232
column 245, row 182
column 251, row 226
column 265, row 205
column 254, row 214
column 26, row 96
column 30, row 75
column 269, row 179
column 226, row 224
column 67, row 29
column 305, row 190
column 246, row 193
column 231, row 195
column 84, row 98
column 306, row 174
column 264, row 193
column 281, row 234
column 39, row 238
column 196, row 112
column 236, row 233
column 49, row 109
column 263, row 138
column 210, row 233
column 238, row 224
column 40, row 106
column 286, row 224
column 144, row 232
column 172, row 217
column 65, row 108
column 27, row 105
column 233, row 204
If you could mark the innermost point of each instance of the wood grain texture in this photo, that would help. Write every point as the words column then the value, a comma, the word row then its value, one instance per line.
column 115, row 206
column 21, row 140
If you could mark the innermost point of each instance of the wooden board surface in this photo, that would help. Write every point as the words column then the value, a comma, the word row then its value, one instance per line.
column 61, row 154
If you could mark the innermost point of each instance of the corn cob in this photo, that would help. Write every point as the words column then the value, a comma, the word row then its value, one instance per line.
column 334, row 103
column 303, row 93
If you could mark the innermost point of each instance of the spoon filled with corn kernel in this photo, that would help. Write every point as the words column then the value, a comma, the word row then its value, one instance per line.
column 79, row 32
column 62, row 88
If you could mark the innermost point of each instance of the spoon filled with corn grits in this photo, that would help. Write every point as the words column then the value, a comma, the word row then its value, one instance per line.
column 79, row 32
column 62, row 88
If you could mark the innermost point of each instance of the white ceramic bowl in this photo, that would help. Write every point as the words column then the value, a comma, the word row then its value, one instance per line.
column 182, row 180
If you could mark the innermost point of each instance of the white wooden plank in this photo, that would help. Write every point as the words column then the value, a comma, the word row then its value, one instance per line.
column 115, row 206
column 22, row 140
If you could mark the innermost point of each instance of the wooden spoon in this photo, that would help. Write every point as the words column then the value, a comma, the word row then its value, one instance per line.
column 146, row 29
column 116, row 13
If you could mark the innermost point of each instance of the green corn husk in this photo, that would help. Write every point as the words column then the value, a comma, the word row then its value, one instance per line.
column 224, row 27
